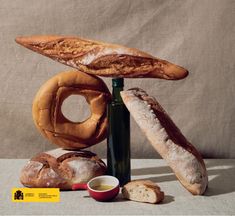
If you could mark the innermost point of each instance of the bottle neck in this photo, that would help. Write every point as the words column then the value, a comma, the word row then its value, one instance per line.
column 116, row 97
column 117, row 84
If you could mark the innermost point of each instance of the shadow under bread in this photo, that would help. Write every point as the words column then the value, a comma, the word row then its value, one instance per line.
column 222, row 183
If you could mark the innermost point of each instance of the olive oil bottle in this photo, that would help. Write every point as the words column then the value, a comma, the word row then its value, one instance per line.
column 118, row 147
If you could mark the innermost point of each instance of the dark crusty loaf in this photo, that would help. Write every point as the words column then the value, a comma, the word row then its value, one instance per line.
column 60, row 168
column 167, row 139
column 103, row 59
column 143, row 191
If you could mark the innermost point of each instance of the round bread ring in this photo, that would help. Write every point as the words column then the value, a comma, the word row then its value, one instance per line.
column 50, row 121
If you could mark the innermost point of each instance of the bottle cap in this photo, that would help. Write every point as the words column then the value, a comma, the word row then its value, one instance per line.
column 117, row 82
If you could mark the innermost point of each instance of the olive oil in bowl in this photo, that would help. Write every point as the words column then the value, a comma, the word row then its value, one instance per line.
column 102, row 187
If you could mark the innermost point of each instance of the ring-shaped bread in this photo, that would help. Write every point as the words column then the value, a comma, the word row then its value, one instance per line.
column 50, row 120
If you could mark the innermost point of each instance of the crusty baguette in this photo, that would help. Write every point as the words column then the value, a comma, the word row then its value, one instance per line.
column 143, row 191
column 103, row 59
column 167, row 139
column 60, row 168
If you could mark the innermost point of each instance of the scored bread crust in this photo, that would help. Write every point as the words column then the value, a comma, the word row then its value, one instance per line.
column 103, row 59
column 167, row 139
column 60, row 168
column 50, row 121
column 130, row 190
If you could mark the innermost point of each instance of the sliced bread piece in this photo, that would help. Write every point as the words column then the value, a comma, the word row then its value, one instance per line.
column 143, row 191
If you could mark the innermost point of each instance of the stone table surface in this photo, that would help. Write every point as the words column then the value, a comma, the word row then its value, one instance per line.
column 218, row 199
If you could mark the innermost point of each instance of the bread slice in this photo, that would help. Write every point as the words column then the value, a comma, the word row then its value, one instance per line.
column 103, row 59
column 143, row 191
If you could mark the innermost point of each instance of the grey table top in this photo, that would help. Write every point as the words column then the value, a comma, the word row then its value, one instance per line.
column 219, row 198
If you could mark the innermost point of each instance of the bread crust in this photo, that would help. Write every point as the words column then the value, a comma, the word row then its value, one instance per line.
column 148, row 185
column 60, row 168
column 103, row 59
column 167, row 139
column 50, row 121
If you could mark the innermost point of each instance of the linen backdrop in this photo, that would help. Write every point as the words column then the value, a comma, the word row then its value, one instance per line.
column 197, row 34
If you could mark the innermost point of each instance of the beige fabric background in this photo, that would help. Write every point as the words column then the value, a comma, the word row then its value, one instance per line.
column 199, row 35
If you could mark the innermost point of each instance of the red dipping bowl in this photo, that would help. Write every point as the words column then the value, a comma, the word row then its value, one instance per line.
column 100, row 195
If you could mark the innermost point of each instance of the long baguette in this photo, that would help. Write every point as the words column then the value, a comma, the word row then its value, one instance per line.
column 167, row 139
column 103, row 59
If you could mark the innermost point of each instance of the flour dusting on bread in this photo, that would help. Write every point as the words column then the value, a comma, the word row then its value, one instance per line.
column 56, row 153
column 31, row 168
column 83, row 169
column 187, row 167
column 91, row 56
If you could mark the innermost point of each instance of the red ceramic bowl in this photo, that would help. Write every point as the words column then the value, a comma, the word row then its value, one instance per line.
column 100, row 195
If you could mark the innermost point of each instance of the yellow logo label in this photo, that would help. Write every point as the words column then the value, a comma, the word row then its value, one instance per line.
column 35, row 195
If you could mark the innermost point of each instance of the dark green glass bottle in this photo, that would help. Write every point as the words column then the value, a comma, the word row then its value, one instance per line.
column 118, row 153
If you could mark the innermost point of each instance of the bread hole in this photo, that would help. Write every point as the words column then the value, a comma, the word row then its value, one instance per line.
column 75, row 108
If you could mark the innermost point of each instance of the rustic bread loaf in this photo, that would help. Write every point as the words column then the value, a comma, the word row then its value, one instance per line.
column 143, row 191
column 60, row 168
column 167, row 139
column 103, row 59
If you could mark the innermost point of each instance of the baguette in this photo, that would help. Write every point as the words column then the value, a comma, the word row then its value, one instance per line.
column 103, row 59
column 167, row 139
column 143, row 191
